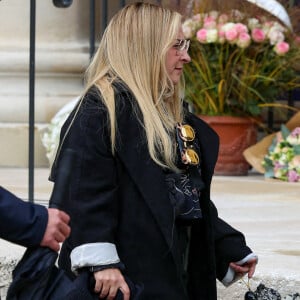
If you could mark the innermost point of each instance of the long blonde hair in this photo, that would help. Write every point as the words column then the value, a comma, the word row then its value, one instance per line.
column 133, row 48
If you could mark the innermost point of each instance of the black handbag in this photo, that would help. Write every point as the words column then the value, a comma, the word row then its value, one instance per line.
column 265, row 293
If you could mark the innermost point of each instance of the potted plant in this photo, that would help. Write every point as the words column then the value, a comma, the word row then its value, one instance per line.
column 240, row 64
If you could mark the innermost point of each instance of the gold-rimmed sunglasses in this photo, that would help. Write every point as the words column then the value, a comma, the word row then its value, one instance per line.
column 185, row 135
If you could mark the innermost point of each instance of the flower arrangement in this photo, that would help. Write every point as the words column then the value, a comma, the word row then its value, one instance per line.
column 50, row 134
column 283, row 158
column 240, row 63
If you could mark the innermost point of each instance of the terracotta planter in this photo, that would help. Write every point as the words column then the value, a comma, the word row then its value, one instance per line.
column 236, row 134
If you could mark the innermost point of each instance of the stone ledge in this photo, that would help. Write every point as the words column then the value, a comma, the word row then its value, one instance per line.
column 49, row 60
column 9, row 257
column 14, row 152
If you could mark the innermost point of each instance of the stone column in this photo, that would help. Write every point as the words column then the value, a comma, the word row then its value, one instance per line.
column 62, row 54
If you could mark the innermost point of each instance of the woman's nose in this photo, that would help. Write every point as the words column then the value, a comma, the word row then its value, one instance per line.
column 185, row 57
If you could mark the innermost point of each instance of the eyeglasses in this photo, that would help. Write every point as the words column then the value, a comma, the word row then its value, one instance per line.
column 185, row 135
column 182, row 45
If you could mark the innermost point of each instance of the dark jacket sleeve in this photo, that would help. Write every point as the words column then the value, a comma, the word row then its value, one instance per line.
column 21, row 222
column 92, row 202
column 230, row 246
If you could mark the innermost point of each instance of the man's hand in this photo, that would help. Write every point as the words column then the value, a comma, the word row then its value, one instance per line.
column 57, row 229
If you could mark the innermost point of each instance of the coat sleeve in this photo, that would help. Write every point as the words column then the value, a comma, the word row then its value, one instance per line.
column 93, row 191
column 21, row 222
column 230, row 246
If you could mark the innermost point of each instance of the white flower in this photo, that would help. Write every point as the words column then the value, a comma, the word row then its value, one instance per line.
column 279, row 27
column 212, row 35
column 275, row 36
column 253, row 23
column 50, row 137
column 228, row 26
column 188, row 28
column 293, row 140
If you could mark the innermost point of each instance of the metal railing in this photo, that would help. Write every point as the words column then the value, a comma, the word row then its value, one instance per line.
column 31, row 101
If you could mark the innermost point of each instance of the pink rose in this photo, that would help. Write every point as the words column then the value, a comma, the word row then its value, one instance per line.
column 223, row 18
column 282, row 48
column 293, row 176
column 295, row 132
column 277, row 165
column 209, row 19
column 258, row 35
column 244, row 40
column 211, row 24
column 294, row 137
column 202, row 35
column 241, row 28
column 231, row 35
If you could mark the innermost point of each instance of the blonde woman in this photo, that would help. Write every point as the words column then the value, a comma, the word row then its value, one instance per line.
column 139, row 200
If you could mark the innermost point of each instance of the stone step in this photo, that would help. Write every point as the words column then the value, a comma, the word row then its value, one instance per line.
column 14, row 145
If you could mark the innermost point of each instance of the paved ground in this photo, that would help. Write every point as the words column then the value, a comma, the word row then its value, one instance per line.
column 268, row 212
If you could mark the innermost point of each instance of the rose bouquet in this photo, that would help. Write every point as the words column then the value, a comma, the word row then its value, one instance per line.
column 240, row 63
column 283, row 158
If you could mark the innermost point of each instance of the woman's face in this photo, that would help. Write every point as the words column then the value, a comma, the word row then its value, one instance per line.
column 176, row 57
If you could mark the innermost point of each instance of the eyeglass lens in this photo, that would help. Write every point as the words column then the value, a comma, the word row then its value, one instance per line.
column 190, row 156
column 187, row 133
column 182, row 45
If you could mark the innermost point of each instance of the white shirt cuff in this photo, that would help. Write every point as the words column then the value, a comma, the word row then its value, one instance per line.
column 94, row 254
column 230, row 276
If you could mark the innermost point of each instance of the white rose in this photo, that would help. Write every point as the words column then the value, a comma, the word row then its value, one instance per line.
column 253, row 23
column 212, row 35
column 275, row 36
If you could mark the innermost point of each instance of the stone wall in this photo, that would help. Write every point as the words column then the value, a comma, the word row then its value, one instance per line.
column 62, row 54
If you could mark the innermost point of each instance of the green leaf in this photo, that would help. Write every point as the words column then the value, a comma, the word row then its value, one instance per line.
column 297, row 150
column 284, row 131
column 269, row 173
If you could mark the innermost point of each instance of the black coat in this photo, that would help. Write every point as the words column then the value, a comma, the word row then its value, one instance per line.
column 123, row 199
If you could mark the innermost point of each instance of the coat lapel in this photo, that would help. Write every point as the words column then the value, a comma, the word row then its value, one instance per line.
column 147, row 176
